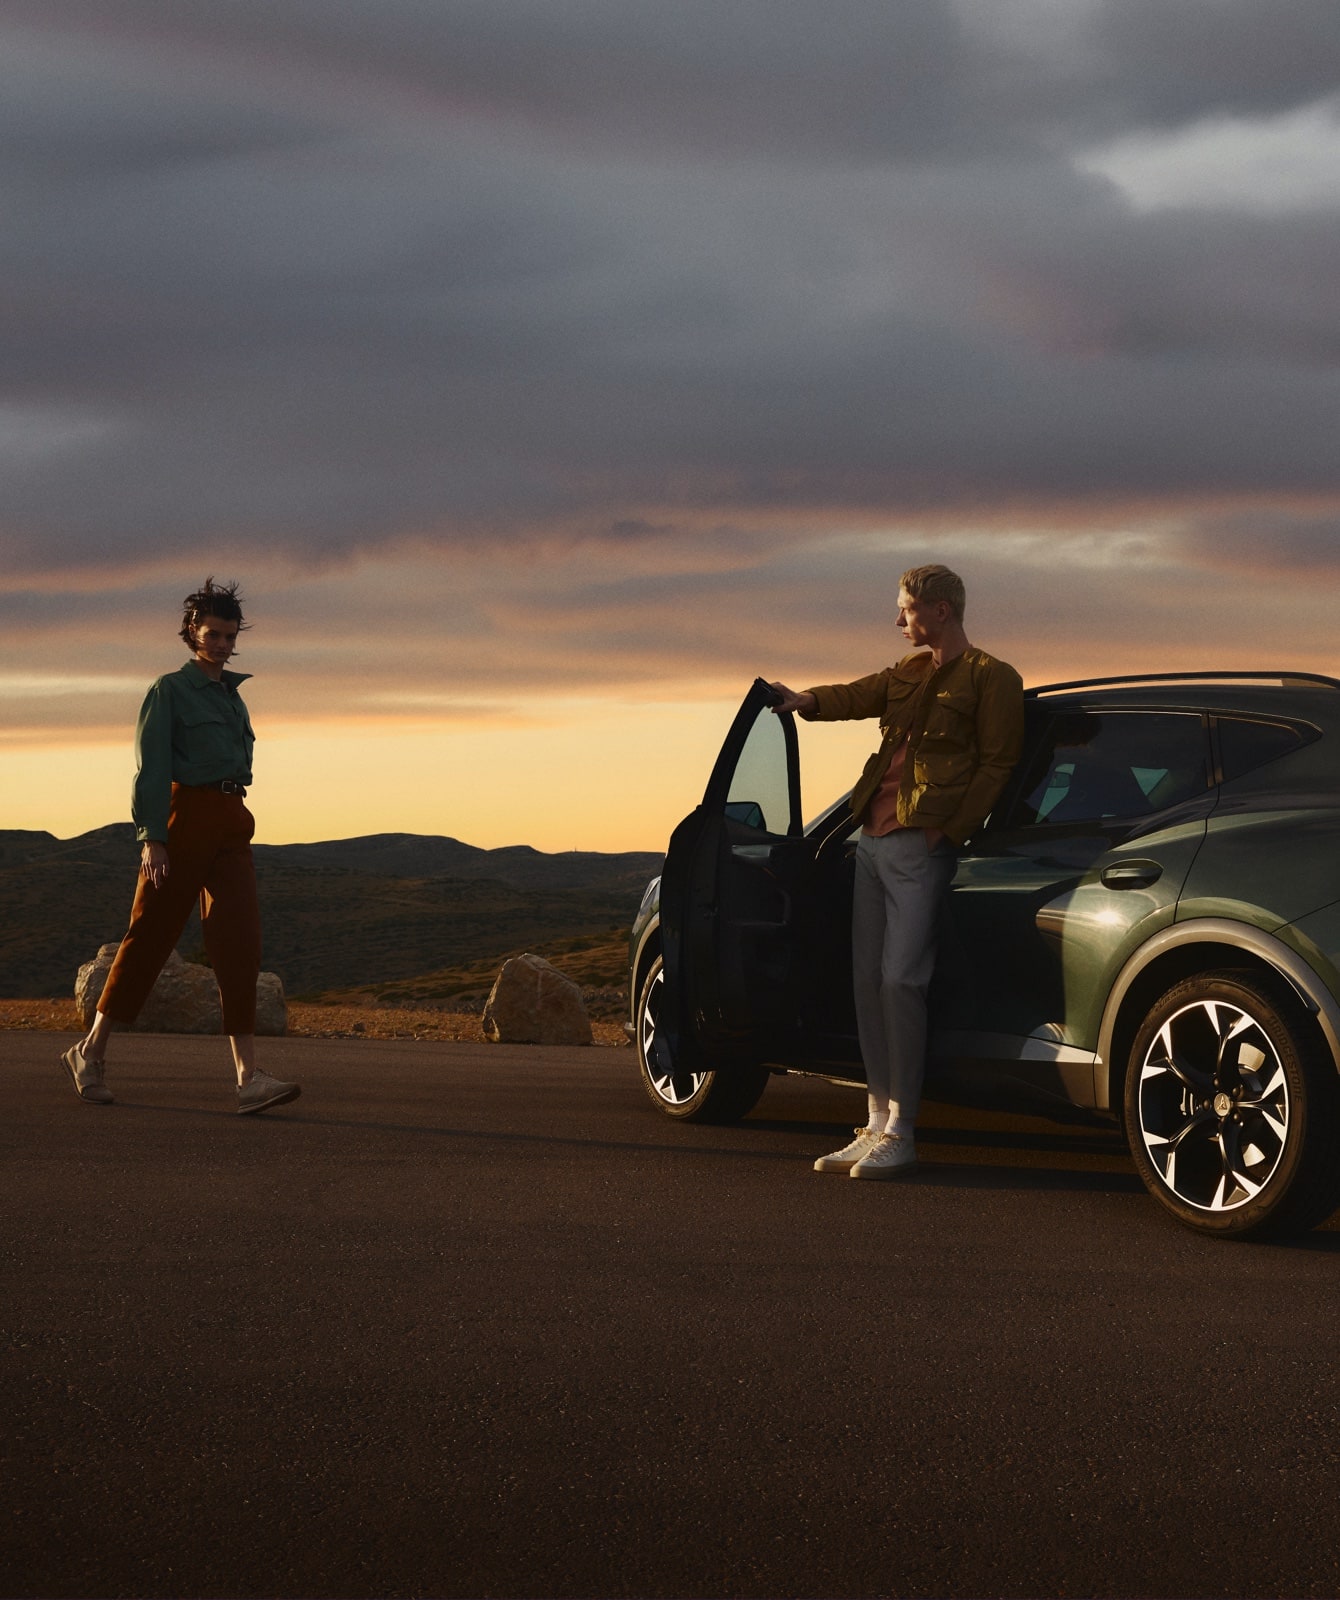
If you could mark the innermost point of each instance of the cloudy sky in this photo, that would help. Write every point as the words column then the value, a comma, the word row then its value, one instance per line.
column 545, row 369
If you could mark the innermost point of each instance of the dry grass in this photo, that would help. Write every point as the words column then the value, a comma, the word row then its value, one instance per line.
column 596, row 963
column 56, row 1016
column 313, row 1021
column 317, row 1021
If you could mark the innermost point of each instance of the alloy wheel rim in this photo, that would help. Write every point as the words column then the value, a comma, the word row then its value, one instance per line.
column 675, row 1087
column 1214, row 1106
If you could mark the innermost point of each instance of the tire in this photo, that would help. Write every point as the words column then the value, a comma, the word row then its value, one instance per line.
column 691, row 1091
column 1232, row 1107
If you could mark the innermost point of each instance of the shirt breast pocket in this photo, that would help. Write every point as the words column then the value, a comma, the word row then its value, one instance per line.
column 197, row 715
column 204, row 732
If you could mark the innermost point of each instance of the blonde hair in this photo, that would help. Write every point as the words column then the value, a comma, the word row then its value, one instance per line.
column 935, row 583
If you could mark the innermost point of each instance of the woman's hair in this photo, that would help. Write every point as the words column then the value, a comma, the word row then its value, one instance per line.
column 222, row 601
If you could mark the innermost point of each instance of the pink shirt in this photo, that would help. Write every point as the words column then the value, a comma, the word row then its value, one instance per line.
column 882, row 817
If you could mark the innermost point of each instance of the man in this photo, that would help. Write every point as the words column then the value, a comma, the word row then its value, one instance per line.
column 193, row 746
column 952, row 719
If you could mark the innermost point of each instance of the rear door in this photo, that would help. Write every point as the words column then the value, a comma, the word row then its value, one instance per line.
column 1084, row 860
column 728, row 895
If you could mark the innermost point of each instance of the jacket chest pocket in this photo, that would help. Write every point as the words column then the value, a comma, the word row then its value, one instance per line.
column 952, row 716
column 898, row 702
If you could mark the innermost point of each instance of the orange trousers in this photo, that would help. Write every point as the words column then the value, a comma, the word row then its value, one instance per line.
column 209, row 856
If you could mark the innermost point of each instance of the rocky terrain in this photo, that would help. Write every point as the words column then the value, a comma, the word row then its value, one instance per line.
column 398, row 919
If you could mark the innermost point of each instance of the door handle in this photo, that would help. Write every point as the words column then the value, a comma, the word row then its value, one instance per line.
column 1131, row 874
column 755, row 855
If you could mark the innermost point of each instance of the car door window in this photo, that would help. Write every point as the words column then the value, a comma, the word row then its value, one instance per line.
column 1109, row 766
column 760, row 794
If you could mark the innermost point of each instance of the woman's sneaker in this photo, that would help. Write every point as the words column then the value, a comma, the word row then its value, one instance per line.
column 889, row 1157
column 262, row 1091
column 845, row 1159
column 87, row 1078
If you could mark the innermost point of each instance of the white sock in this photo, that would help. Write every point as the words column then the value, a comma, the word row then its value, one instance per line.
column 900, row 1127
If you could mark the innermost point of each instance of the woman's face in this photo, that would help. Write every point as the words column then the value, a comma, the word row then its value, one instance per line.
column 215, row 639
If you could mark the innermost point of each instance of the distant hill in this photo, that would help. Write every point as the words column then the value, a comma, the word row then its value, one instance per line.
column 368, row 911
column 412, row 855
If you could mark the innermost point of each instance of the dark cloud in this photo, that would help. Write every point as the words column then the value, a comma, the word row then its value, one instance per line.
column 1163, row 65
column 307, row 280
column 864, row 80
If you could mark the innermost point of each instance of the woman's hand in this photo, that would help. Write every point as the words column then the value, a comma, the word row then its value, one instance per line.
column 154, row 862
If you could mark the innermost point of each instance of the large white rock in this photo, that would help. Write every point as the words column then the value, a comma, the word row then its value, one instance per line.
column 534, row 1003
column 185, row 998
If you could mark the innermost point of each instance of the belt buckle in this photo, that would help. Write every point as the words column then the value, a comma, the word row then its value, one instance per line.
column 229, row 786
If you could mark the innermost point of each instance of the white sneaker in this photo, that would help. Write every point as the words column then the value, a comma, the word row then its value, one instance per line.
column 845, row 1159
column 262, row 1091
column 86, row 1076
column 889, row 1157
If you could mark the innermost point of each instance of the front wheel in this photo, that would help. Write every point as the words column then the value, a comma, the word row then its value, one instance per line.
column 1232, row 1107
column 680, row 1086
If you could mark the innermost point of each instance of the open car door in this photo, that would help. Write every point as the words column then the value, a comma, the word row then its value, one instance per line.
column 728, row 891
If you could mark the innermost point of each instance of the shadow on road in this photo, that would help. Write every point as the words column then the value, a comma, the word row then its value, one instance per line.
column 1088, row 1143
column 950, row 1151
column 1325, row 1243
column 940, row 1173
column 953, row 1175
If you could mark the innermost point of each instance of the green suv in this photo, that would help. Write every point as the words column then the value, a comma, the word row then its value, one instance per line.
column 1147, row 928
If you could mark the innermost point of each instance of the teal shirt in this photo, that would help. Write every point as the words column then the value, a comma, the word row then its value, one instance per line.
column 190, row 730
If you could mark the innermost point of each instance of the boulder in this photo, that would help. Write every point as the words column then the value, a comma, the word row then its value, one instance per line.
column 185, row 998
column 271, row 1006
column 534, row 1003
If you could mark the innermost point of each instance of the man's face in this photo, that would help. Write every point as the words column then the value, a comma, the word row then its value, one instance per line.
column 215, row 639
column 922, row 621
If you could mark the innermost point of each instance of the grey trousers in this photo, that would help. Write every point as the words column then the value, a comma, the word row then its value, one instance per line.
column 899, row 894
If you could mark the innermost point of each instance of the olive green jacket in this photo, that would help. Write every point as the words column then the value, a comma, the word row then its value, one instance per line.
column 190, row 730
column 964, row 723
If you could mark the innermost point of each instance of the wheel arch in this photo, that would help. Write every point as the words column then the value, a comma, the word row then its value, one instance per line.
column 1181, row 951
column 648, row 948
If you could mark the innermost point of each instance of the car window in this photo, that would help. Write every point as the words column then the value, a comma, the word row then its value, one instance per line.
column 1244, row 744
column 759, row 795
column 1110, row 765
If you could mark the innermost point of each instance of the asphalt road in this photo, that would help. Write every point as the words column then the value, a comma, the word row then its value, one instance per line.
column 474, row 1320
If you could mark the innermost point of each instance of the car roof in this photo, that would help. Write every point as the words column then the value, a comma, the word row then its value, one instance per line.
column 1310, row 695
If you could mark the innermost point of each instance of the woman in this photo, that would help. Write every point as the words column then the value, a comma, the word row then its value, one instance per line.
column 193, row 746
